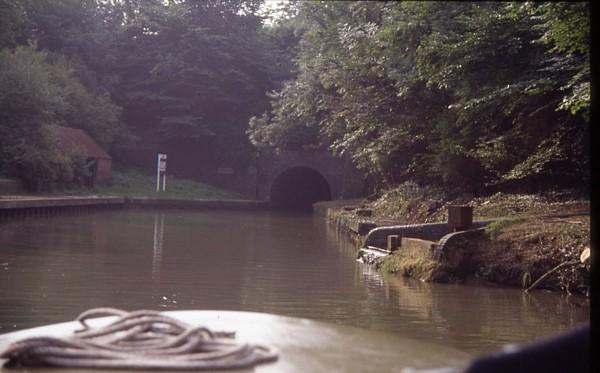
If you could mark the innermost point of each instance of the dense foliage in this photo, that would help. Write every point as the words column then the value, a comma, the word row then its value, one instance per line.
column 37, row 94
column 460, row 94
column 161, row 72
column 463, row 95
column 193, row 69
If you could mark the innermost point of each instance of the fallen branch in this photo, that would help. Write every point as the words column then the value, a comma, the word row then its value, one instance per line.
column 561, row 265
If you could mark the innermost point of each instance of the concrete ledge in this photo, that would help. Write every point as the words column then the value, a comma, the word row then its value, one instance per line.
column 195, row 203
column 48, row 202
column 362, row 227
column 428, row 231
column 416, row 247
column 18, row 203
column 451, row 238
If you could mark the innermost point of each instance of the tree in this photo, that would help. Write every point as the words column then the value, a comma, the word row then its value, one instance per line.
column 77, row 38
column 38, row 93
column 567, row 28
column 347, row 94
column 13, row 22
column 28, row 104
column 506, row 87
column 188, row 70
column 459, row 94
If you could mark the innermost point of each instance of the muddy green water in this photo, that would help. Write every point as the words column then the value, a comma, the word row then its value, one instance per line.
column 52, row 268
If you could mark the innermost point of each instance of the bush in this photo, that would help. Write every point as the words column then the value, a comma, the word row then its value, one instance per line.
column 35, row 95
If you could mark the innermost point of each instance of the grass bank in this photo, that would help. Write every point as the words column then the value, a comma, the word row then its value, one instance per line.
column 133, row 183
column 136, row 184
column 511, row 252
column 410, row 204
column 519, row 251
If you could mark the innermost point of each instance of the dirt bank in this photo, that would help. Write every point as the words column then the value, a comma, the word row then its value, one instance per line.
column 516, row 252
column 530, row 238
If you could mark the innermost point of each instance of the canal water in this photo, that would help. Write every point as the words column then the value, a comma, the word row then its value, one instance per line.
column 52, row 268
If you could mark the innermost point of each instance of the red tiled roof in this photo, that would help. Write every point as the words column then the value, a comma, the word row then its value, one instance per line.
column 71, row 138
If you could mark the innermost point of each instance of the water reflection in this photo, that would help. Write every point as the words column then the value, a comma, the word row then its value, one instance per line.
column 282, row 263
column 159, row 228
column 475, row 318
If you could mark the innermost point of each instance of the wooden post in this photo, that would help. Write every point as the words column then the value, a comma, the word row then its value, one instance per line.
column 460, row 218
column 393, row 242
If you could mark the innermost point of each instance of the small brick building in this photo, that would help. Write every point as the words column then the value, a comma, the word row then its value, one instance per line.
column 98, row 161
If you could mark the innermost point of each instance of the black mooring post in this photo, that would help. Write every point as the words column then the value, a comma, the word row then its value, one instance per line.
column 460, row 217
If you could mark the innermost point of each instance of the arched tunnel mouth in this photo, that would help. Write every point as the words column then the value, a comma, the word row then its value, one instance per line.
column 298, row 188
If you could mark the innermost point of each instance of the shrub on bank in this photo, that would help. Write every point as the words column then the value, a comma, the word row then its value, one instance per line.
column 421, row 268
column 409, row 203
column 38, row 93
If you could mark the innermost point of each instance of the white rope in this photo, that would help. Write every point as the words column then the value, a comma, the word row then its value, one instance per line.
column 140, row 340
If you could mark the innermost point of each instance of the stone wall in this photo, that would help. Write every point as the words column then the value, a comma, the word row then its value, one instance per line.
column 253, row 180
column 449, row 241
column 242, row 182
column 430, row 231
column 345, row 181
column 416, row 248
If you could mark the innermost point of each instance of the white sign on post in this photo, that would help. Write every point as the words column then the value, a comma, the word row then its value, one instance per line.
column 161, row 172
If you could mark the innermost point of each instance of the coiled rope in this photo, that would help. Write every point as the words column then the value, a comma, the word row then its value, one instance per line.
column 138, row 340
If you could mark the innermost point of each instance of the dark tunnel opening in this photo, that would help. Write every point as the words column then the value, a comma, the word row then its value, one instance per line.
column 298, row 188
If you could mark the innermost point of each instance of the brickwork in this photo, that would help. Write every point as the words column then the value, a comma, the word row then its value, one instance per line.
column 73, row 139
column 344, row 180
column 103, row 172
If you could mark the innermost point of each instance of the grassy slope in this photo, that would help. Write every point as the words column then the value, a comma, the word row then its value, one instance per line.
column 137, row 184
column 518, row 251
column 410, row 204
column 132, row 183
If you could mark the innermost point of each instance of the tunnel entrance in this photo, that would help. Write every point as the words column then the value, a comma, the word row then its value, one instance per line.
column 298, row 188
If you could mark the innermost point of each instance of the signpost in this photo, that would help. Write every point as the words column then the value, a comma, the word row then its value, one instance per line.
column 161, row 172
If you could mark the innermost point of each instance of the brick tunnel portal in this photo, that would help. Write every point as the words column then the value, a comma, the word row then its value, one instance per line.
column 298, row 188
